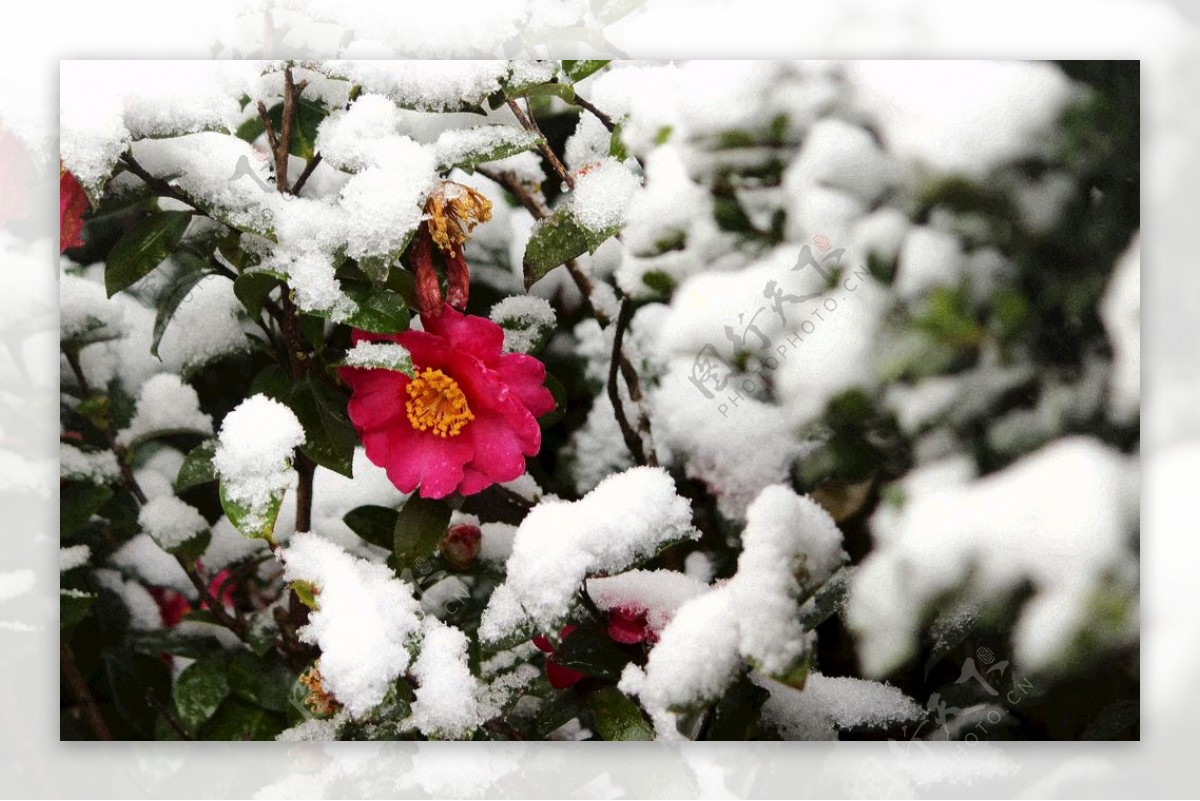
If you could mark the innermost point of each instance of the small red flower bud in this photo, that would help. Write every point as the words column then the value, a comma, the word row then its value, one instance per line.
column 460, row 546
column 458, row 278
column 428, row 287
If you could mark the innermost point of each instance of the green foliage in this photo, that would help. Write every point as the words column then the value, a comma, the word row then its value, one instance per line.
column 556, row 240
column 145, row 246
column 419, row 527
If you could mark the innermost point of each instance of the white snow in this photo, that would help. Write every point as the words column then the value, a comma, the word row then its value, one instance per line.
column 349, row 139
column 98, row 467
column 430, row 85
column 526, row 319
column 962, row 116
column 144, row 614
column 142, row 558
column 384, row 203
column 786, row 535
column 72, row 557
column 658, row 593
column 1059, row 518
column 85, row 312
column 457, row 145
column 365, row 621
column 1121, row 312
column 170, row 522
column 166, row 405
column 628, row 517
column 449, row 699
column 205, row 326
column 379, row 355
column 839, row 155
column 602, row 195
column 254, row 454
column 929, row 258
column 828, row 704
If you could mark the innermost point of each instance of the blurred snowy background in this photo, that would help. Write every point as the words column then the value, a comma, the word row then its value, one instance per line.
column 1160, row 34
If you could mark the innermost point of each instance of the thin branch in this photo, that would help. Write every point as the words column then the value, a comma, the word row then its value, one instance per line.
column 633, row 439
column 529, row 124
column 78, row 688
column 167, row 716
column 156, row 184
column 308, row 171
column 605, row 120
column 214, row 605
column 265, row 116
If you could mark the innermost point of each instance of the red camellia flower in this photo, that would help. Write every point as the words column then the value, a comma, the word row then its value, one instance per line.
column 558, row 675
column 173, row 605
column 72, row 203
column 627, row 624
column 467, row 419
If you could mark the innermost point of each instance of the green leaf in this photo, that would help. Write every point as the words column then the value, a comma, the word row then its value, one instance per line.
column 375, row 524
column 544, row 89
column 496, row 142
column 274, row 382
column 592, row 651
column 252, row 289
column 144, row 247
column 828, row 600
column 616, row 716
column 560, row 402
column 419, row 528
column 170, row 302
column 738, row 711
column 309, row 115
column 200, row 689
column 192, row 548
column 578, row 70
column 379, row 311
column 78, row 501
column 260, row 527
column 172, row 641
column 197, row 467
column 556, row 240
column 263, row 682
column 132, row 677
column 1113, row 720
column 329, row 434
column 239, row 720
column 72, row 607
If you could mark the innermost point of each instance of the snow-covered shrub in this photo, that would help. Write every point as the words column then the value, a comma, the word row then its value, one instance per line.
column 531, row 400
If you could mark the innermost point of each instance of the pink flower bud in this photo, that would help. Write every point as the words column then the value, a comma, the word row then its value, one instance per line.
column 460, row 546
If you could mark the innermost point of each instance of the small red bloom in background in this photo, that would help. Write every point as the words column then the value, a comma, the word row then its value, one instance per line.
column 467, row 419
column 72, row 203
column 460, row 546
column 174, row 606
column 627, row 625
column 559, row 676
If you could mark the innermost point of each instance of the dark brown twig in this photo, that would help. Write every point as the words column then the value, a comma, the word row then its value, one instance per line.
column 172, row 721
column 156, row 184
column 234, row 624
column 605, row 120
column 77, row 687
column 308, row 171
column 633, row 439
column 529, row 124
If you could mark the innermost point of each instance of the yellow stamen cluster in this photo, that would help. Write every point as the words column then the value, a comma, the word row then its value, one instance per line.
column 436, row 403
column 453, row 211
column 319, row 700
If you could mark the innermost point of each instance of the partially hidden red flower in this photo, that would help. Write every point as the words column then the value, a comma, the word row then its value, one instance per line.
column 465, row 421
column 460, row 545
column 72, row 203
column 174, row 606
column 559, row 676
column 627, row 625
